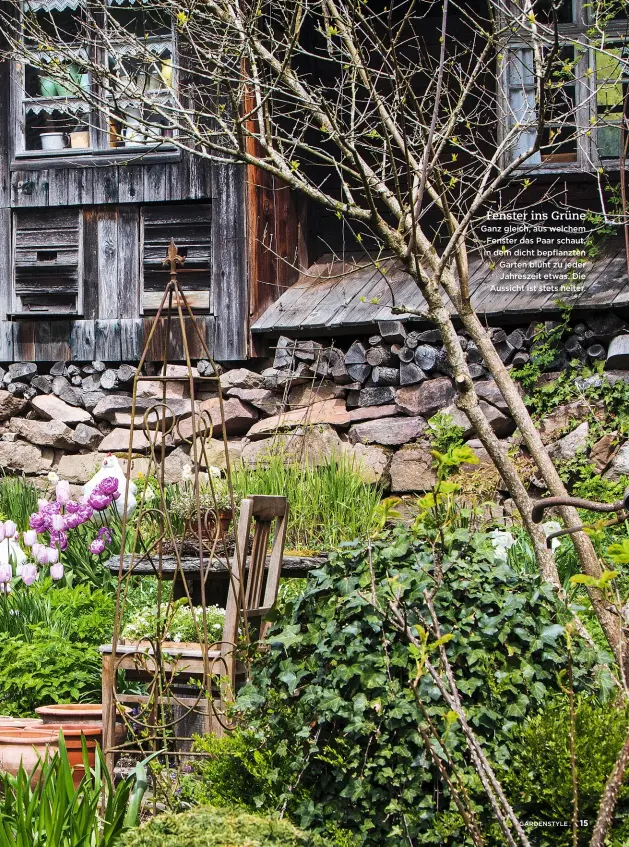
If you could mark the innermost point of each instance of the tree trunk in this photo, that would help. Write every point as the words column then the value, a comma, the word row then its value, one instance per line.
column 469, row 403
column 586, row 554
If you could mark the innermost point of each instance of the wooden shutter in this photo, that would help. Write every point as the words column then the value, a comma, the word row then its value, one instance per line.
column 47, row 261
column 190, row 226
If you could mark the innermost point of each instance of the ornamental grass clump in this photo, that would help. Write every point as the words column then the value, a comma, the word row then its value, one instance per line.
column 327, row 505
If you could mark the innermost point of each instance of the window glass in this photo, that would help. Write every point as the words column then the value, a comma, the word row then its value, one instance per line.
column 612, row 75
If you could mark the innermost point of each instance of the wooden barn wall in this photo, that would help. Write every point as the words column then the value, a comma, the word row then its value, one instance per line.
column 6, row 347
column 276, row 239
column 82, row 183
column 111, row 195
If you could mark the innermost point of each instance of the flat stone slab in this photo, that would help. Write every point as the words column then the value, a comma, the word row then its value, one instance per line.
column 331, row 412
column 292, row 566
column 50, row 407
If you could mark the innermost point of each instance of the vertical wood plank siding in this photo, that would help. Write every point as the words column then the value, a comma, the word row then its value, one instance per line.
column 229, row 265
column 254, row 235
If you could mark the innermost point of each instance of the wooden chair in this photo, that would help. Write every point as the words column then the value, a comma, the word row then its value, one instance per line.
column 250, row 598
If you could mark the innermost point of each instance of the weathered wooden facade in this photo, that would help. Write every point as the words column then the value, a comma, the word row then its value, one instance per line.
column 83, row 233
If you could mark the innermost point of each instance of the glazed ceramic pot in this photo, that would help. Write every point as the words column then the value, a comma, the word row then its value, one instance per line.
column 53, row 140
column 26, row 746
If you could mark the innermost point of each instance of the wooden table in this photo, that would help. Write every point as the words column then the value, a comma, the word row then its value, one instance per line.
column 217, row 581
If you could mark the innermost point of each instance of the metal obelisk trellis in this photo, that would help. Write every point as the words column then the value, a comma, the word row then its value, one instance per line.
column 181, row 683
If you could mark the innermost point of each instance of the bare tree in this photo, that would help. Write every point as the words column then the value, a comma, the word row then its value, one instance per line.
column 393, row 116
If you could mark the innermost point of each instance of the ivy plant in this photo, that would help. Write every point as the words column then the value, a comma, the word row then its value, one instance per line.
column 334, row 689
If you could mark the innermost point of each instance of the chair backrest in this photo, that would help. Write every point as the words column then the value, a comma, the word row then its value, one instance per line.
column 250, row 597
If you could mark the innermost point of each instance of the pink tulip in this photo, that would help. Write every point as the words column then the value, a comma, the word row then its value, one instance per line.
column 10, row 528
column 30, row 537
column 41, row 503
column 52, row 555
column 42, row 556
column 3, row 533
column 58, row 523
column 29, row 574
column 97, row 546
column 37, row 548
column 56, row 571
column 6, row 574
column 63, row 491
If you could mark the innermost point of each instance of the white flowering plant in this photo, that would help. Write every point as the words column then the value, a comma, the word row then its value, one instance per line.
column 179, row 622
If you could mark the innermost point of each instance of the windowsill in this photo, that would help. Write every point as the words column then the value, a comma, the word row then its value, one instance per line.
column 36, row 315
column 115, row 155
column 552, row 168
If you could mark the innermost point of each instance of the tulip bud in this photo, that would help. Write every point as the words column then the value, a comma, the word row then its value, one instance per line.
column 30, row 537
column 58, row 523
column 63, row 491
column 56, row 571
column 29, row 574
column 10, row 528
column 52, row 555
column 2, row 532
column 6, row 574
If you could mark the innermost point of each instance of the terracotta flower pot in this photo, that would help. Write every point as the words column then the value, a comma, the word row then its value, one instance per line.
column 73, row 734
column 19, row 723
column 76, row 713
column 26, row 746
column 71, row 712
column 93, row 732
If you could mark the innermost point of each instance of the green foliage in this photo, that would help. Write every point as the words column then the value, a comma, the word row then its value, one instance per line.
column 216, row 827
column 327, row 504
column 78, row 613
column 47, row 669
column 239, row 770
column 543, row 350
column 538, row 781
column 48, row 649
column 18, row 500
column 335, row 685
column 47, row 809
column 176, row 622
column 444, row 433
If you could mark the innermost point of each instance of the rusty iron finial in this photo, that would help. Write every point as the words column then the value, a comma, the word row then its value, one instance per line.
column 173, row 259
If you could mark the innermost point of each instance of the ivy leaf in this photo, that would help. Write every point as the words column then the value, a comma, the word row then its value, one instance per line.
column 551, row 633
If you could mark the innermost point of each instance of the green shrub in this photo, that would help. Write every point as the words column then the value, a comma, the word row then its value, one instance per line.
column 238, row 770
column 539, row 780
column 78, row 613
column 334, row 689
column 47, row 668
column 49, row 645
column 216, row 827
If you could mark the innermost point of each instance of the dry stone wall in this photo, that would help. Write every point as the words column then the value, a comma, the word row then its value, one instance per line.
column 369, row 399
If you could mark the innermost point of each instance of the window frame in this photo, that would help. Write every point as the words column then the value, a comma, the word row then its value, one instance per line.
column 575, row 33
column 100, row 149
